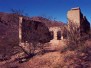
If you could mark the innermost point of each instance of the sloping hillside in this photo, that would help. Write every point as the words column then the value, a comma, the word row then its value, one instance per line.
column 8, row 33
column 48, row 22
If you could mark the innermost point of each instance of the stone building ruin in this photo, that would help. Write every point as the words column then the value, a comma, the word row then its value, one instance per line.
column 32, row 32
column 74, row 16
column 57, row 35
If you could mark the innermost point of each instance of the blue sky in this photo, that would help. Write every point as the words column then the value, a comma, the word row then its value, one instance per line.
column 51, row 8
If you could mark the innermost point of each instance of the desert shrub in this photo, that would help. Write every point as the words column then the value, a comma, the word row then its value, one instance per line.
column 76, row 43
column 75, row 37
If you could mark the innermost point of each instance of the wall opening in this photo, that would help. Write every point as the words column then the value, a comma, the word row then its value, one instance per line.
column 52, row 35
column 59, row 35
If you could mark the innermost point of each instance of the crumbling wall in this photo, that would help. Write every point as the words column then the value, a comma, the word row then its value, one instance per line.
column 76, row 18
column 34, row 31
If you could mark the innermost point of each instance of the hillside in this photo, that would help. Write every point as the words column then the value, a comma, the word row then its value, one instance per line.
column 8, row 34
column 48, row 22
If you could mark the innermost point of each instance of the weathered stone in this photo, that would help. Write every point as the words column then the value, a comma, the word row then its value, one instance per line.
column 31, row 28
column 76, row 17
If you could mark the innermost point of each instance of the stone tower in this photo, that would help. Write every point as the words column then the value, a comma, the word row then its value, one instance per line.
column 76, row 17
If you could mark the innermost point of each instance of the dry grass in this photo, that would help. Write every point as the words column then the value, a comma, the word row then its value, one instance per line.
column 56, row 59
column 68, row 59
column 48, row 60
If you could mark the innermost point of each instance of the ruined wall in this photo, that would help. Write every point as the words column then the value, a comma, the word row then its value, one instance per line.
column 85, row 25
column 57, row 31
column 57, row 35
column 33, row 31
column 75, row 17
